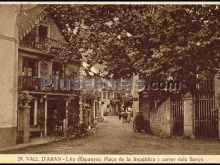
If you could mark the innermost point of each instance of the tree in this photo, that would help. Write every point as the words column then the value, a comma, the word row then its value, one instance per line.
column 155, row 41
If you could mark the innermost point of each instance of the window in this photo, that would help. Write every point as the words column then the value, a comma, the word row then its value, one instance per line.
column 109, row 95
column 112, row 95
column 43, row 31
column 104, row 97
column 58, row 70
column 29, row 67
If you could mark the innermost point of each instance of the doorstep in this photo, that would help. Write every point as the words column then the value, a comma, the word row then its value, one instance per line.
column 32, row 143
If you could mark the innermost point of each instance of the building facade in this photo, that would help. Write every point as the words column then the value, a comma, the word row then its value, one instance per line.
column 8, row 77
column 51, row 108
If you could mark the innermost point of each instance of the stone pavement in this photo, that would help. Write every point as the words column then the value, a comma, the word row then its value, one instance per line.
column 115, row 137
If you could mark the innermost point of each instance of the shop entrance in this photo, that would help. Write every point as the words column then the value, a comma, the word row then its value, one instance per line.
column 56, row 116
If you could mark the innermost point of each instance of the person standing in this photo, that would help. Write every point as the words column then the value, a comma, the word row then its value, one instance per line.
column 129, row 113
column 108, row 109
column 139, row 123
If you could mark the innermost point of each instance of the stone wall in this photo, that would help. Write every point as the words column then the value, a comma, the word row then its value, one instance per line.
column 160, row 120
column 145, row 109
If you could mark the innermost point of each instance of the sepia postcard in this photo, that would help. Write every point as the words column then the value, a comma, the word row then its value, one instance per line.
column 109, row 82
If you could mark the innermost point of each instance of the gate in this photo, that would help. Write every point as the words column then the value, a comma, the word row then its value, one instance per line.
column 178, row 117
column 205, row 117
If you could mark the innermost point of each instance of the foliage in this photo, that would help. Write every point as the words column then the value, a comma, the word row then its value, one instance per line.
column 64, row 52
column 24, row 97
column 155, row 41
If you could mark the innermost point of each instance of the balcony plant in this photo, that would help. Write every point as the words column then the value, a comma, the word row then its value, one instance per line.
column 24, row 98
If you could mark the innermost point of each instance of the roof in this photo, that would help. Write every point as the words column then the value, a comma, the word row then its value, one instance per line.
column 28, row 19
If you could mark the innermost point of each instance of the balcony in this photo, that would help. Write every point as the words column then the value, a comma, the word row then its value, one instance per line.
column 33, row 84
column 45, row 45
column 28, row 83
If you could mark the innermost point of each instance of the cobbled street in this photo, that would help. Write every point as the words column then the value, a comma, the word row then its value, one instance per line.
column 115, row 137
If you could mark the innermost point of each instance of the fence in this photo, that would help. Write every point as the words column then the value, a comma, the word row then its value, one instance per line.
column 205, row 117
column 177, row 111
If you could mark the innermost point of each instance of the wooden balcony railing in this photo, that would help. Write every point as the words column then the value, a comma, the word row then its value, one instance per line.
column 28, row 83
column 34, row 84
column 43, row 44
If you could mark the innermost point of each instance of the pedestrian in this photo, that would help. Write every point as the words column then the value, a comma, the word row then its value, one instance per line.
column 138, row 122
column 108, row 109
column 132, row 112
column 120, row 111
column 129, row 114
column 120, row 115
column 125, row 116
column 124, row 107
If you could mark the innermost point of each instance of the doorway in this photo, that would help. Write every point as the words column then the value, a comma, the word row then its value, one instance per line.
column 56, row 111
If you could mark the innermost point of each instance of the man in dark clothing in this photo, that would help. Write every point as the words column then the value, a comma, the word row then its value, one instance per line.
column 139, row 123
